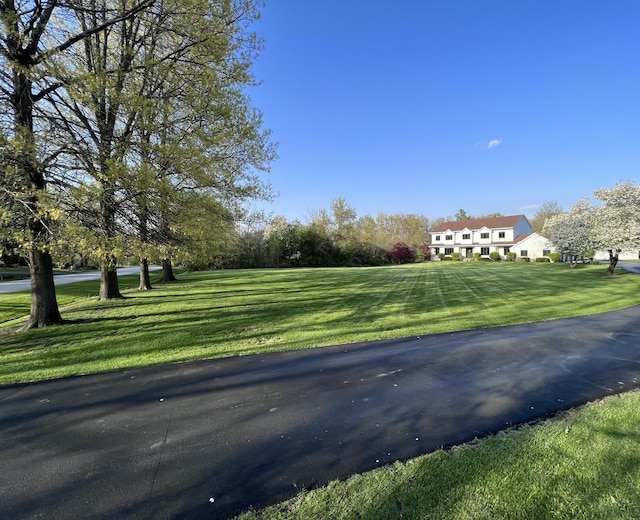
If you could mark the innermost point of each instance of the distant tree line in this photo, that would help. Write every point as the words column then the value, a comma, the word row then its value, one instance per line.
column 334, row 237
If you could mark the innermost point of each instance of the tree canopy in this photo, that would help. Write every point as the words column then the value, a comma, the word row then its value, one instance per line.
column 116, row 118
column 612, row 223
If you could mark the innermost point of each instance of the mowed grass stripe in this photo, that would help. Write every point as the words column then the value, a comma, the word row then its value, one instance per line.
column 462, row 278
column 433, row 298
column 456, row 283
column 226, row 313
column 484, row 280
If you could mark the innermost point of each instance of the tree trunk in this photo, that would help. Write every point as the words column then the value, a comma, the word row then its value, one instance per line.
column 167, row 271
column 145, row 280
column 613, row 261
column 44, row 304
column 109, row 288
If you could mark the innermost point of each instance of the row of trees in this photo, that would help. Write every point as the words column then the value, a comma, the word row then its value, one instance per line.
column 125, row 127
column 330, row 238
column 613, row 223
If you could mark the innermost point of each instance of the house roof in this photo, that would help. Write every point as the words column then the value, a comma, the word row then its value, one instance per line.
column 478, row 223
column 521, row 237
column 524, row 237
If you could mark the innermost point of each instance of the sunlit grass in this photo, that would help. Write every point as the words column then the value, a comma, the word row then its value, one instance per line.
column 586, row 465
column 226, row 313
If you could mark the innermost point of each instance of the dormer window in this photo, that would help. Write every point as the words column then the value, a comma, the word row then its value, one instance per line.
column 501, row 234
column 484, row 235
column 437, row 238
column 466, row 236
column 448, row 237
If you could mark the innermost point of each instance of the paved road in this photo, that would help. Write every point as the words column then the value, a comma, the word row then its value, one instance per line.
column 209, row 439
column 633, row 267
column 11, row 286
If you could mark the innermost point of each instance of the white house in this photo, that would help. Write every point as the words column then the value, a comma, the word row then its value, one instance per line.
column 622, row 255
column 487, row 235
column 532, row 246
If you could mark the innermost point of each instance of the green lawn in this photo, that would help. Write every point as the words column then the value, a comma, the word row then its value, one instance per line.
column 226, row 313
column 585, row 465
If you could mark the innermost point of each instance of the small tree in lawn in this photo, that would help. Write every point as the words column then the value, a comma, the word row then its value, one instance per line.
column 401, row 253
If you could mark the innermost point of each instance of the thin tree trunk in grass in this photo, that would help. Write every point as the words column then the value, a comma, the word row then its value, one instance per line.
column 145, row 279
column 167, row 271
column 44, row 304
column 613, row 260
column 109, row 281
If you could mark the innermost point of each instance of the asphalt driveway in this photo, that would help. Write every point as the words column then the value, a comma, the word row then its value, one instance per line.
column 209, row 439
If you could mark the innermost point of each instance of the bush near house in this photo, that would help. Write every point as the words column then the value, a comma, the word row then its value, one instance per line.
column 455, row 256
column 543, row 260
column 523, row 259
column 555, row 257
column 495, row 256
column 510, row 257
column 477, row 257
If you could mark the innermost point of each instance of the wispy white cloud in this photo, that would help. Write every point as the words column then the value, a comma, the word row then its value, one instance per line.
column 493, row 143
column 529, row 207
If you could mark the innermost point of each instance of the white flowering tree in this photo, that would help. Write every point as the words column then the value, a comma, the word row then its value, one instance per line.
column 572, row 233
column 613, row 225
column 617, row 222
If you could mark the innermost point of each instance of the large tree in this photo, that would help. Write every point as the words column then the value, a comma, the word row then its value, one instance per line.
column 34, row 35
column 617, row 219
column 461, row 215
column 572, row 233
column 546, row 210
column 165, row 113
column 612, row 225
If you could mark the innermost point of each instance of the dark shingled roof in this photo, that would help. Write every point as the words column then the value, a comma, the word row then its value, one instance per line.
column 478, row 223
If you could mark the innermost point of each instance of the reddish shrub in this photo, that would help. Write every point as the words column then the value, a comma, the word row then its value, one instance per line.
column 401, row 253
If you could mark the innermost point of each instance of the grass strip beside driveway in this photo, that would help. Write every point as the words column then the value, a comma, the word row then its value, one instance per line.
column 226, row 313
column 584, row 464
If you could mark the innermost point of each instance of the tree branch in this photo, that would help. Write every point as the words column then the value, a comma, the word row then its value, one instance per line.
column 93, row 30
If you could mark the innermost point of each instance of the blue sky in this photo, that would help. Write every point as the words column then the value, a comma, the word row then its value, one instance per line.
column 429, row 106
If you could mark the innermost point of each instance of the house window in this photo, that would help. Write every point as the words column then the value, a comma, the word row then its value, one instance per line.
column 448, row 237
column 484, row 250
column 524, row 252
column 437, row 238
column 437, row 251
column 484, row 235
column 466, row 236
column 448, row 250
column 546, row 252
column 506, row 249
column 501, row 234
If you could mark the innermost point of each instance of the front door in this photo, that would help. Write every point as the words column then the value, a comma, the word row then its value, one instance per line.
column 469, row 253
